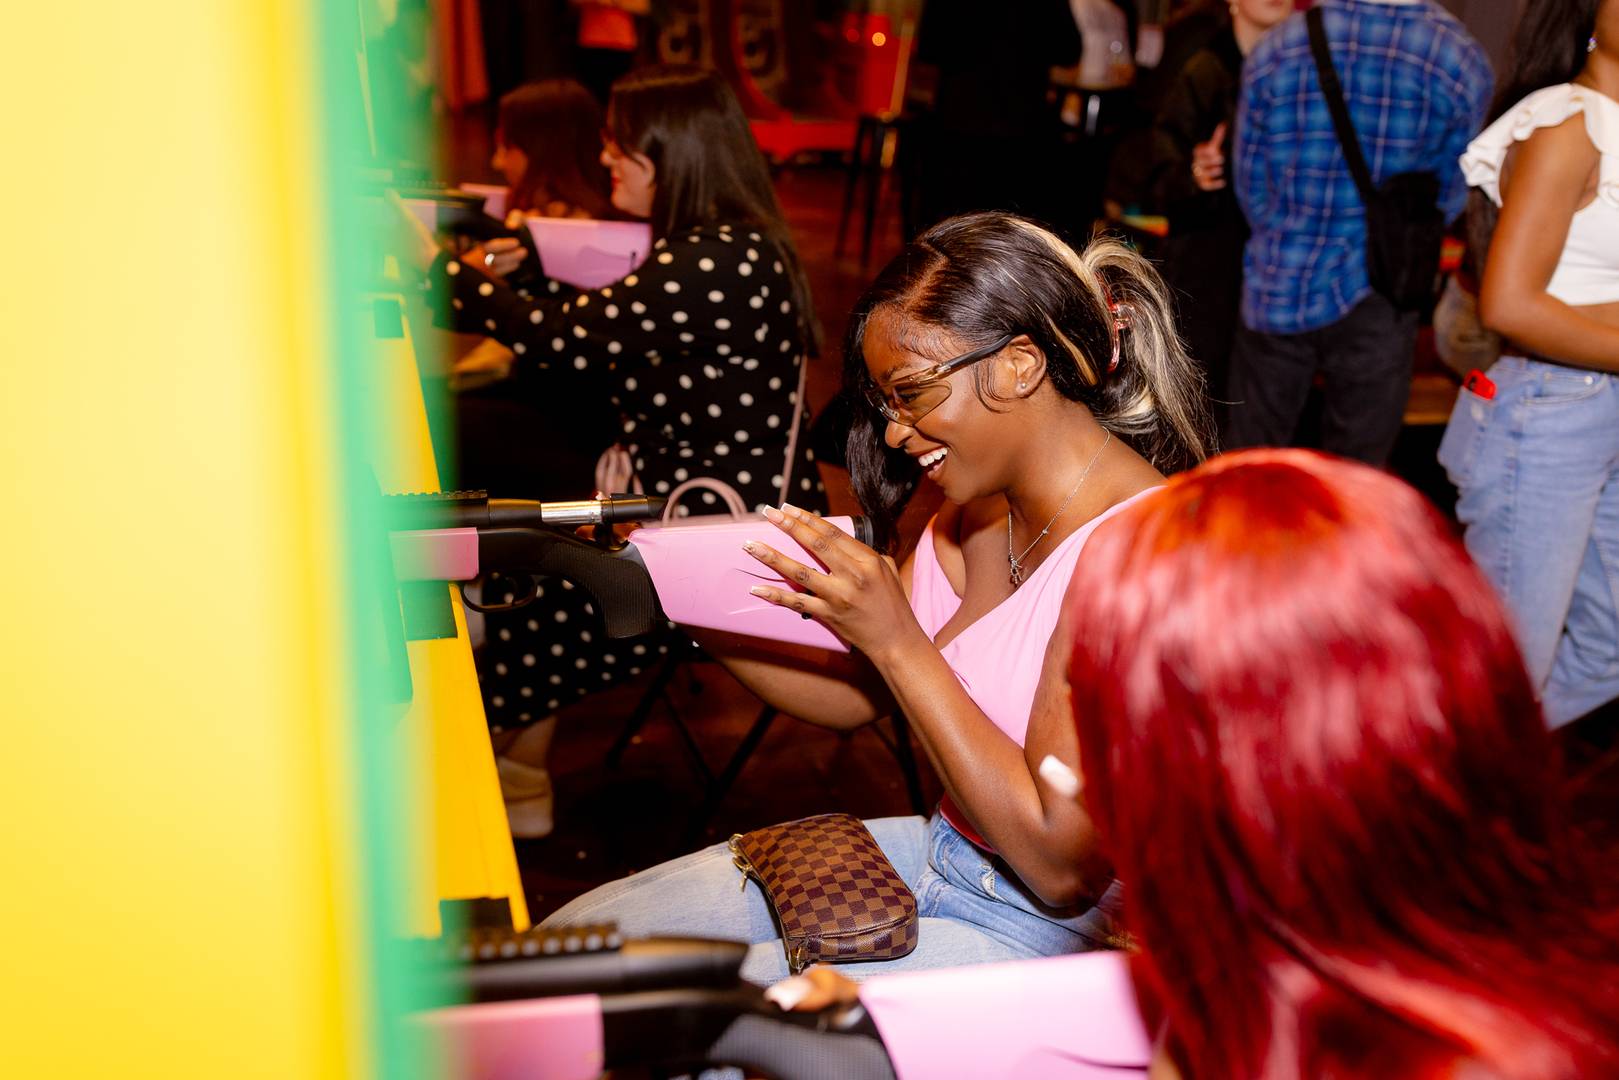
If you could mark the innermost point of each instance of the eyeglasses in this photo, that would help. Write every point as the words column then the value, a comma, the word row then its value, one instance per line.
column 910, row 399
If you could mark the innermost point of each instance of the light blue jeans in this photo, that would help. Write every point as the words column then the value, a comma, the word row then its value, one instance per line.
column 972, row 909
column 1537, row 467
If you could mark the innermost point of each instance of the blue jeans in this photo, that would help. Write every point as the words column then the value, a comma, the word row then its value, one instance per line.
column 1537, row 467
column 973, row 911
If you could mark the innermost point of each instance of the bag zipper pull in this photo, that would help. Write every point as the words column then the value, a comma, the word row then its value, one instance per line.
column 740, row 861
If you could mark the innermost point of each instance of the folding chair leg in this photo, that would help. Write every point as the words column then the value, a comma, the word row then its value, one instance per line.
column 705, row 775
column 733, row 768
column 851, row 183
column 643, row 710
column 874, row 190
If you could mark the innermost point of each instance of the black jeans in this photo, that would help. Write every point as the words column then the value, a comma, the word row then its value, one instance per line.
column 1365, row 365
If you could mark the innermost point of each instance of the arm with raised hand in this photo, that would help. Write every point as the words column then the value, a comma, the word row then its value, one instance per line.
column 835, row 690
column 1043, row 833
column 832, row 690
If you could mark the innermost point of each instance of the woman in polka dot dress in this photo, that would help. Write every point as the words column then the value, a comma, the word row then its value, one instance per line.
column 701, row 349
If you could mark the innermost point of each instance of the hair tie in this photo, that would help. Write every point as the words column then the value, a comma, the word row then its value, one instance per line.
column 1123, row 318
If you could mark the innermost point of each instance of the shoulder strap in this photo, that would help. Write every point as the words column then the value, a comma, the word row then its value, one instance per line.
column 792, row 433
column 1334, row 94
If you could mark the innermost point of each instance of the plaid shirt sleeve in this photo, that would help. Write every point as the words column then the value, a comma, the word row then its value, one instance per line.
column 1470, row 94
column 1252, row 185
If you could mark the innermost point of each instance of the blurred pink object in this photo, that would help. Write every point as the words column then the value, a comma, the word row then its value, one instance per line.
column 434, row 554
column 702, row 576
column 586, row 253
column 535, row 1039
column 424, row 211
column 1061, row 1018
column 494, row 197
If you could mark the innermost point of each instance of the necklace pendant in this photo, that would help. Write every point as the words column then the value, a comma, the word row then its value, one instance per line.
column 1014, row 560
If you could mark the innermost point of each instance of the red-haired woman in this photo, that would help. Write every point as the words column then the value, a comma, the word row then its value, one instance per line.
column 1313, row 754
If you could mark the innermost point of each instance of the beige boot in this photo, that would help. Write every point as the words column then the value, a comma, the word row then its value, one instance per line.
column 525, row 783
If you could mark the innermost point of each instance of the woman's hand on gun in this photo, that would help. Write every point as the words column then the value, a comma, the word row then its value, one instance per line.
column 498, row 256
column 621, row 529
column 818, row 988
column 859, row 596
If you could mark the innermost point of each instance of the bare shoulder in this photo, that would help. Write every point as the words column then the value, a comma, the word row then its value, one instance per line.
column 1562, row 155
column 1125, row 474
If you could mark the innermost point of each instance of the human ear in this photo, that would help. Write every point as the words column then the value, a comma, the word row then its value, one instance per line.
column 1026, row 363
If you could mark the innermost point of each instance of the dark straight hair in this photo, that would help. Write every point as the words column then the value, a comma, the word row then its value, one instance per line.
column 1548, row 48
column 708, row 169
column 981, row 276
column 556, row 123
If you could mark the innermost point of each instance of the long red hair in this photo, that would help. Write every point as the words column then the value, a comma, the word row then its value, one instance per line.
column 1316, row 761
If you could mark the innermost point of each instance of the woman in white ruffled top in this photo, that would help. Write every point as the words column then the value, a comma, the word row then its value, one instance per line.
column 1533, row 445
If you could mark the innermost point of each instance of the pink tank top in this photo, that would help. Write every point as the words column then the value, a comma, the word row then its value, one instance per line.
column 999, row 658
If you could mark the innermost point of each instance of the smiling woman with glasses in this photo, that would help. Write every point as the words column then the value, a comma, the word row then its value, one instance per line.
column 1042, row 389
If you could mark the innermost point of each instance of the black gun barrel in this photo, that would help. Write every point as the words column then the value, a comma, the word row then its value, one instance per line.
column 476, row 510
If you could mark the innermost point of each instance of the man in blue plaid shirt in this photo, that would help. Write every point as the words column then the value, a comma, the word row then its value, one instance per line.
column 1417, row 87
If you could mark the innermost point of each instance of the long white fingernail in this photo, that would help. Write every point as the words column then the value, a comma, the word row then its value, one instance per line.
column 1059, row 776
column 789, row 992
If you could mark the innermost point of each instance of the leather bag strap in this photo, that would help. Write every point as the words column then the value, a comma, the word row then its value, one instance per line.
column 1334, row 92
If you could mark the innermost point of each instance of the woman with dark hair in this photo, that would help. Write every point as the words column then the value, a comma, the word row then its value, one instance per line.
column 1342, row 826
column 1041, row 389
column 1533, row 446
column 510, row 437
column 701, row 350
column 548, row 147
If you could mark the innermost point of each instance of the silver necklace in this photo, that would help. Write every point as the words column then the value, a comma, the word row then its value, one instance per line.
column 1015, row 562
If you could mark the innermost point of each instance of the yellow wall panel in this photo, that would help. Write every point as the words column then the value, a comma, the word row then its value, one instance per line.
column 179, row 894
column 460, row 819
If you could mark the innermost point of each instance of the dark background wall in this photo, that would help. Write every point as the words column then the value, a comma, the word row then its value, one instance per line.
column 1491, row 21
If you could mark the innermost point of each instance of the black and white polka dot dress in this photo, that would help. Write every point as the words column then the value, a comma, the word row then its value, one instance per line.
column 700, row 350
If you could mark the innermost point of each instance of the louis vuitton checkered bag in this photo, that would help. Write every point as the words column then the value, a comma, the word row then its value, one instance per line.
column 834, row 892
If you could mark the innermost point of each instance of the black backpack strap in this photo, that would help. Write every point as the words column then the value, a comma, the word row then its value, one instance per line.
column 1335, row 104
